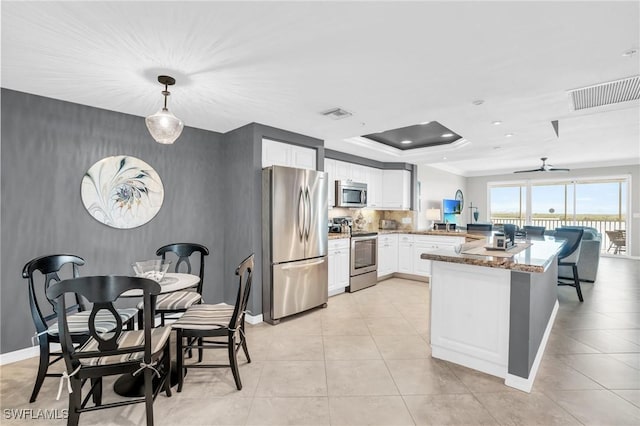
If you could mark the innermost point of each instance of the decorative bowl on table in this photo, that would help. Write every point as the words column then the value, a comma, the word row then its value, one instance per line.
column 152, row 269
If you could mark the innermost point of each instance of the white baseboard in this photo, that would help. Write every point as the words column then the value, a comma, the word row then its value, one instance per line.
column 253, row 319
column 22, row 354
column 525, row 384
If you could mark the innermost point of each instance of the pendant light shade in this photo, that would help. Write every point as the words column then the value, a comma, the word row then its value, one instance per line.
column 164, row 127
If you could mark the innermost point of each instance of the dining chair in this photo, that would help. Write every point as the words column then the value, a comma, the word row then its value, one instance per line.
column 510, row 231
column 54, row 268
column 180, row 301
column 570, row 254
column 113, row 352
column 479, row 227
column 201, row 322
column 532, row 231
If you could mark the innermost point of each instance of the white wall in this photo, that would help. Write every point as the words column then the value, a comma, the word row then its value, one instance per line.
column 436, row 185
column 477, row 192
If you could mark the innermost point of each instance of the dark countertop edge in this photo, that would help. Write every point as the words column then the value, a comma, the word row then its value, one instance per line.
column 500, row 263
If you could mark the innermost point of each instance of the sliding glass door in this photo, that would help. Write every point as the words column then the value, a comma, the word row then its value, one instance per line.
column 597, row 203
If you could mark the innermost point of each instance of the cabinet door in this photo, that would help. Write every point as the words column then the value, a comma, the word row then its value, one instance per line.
column 284, row 154
column 330, row 168
column 393, row 253
column 358, row 173
column 275, row 153
column 405, row 258
column 392, row 191
column 343, row 270
column 406, row 189
column 422, row 267
column 343, row 170
column 303, row 158
column 332, row 267
column 374, row 188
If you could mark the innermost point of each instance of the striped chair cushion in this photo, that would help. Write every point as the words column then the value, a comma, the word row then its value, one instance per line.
column 79, row 322
column 127, row 339
column 176, row 301
column 205, row 317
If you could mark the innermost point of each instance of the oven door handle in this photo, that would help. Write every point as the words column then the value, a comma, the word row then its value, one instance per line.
column 363, row 238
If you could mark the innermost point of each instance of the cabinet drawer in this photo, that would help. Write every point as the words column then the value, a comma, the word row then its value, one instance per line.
column 341, row 243
column 405, row 238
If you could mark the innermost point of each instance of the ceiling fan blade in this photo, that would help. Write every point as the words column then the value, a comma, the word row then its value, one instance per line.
column 555, row 169
column 527, row 171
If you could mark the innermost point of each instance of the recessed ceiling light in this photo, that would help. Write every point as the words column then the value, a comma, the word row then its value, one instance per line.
column 508, row 135
column 444, row 158
column 496, row 123
column 406, row 142
column 629, row 53
column 447, row 135
column 478, row 102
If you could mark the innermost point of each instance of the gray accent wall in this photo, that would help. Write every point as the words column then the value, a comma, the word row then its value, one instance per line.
column 47, row 146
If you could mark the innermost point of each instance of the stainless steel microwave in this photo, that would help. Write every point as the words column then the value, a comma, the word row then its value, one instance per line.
column 351, row 194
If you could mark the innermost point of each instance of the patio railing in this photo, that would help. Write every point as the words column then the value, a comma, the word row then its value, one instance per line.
column 601, row 225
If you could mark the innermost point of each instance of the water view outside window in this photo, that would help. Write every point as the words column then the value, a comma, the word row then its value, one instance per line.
column 597, row 203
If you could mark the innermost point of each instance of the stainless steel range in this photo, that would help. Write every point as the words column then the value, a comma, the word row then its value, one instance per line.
column 364, row 260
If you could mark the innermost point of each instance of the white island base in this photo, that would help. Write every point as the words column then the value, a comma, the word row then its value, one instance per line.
column 492, row 320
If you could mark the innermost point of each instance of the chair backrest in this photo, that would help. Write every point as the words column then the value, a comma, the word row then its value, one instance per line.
column 510, row 231
column 479, row 227
column 534, row 230
column 570, row 251
column 51, row 267
column 101, row 291
column 184, row 251
column 245, row 274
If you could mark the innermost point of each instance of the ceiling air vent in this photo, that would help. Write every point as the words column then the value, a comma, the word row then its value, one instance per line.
column 336, row 113
column 613, row 92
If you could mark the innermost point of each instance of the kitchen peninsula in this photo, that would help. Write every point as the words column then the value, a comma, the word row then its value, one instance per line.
column 493, row 311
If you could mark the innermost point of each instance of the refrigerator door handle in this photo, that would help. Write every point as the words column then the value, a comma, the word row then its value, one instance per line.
column 303, row 265
column 308, row 213
column 301, row 221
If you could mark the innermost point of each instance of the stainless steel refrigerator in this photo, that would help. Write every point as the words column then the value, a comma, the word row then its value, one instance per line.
column 294, row 241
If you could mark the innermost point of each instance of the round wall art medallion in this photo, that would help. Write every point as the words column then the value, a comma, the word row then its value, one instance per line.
column 122, row 192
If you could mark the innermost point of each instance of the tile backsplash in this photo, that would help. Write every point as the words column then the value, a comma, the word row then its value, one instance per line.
column 405, row 219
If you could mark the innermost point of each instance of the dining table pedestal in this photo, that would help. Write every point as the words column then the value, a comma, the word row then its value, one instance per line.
column 129, row 385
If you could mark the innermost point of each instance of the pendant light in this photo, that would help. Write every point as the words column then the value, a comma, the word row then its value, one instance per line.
column 163, row 125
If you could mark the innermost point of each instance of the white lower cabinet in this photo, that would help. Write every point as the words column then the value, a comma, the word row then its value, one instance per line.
column 431, row 243
column 409, row 247
column 387, row 254
column 405, row 253
column 338, row 263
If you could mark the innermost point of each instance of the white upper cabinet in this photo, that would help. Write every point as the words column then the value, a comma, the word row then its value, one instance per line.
column 396, row 189
column 284, row 154
column 330, row 168
column 374, row 189
column 386, row 189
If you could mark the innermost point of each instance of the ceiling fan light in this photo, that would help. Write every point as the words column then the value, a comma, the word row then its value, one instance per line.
column 164, row 127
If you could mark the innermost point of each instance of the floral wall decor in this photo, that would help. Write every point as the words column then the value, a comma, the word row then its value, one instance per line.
column 122, row 192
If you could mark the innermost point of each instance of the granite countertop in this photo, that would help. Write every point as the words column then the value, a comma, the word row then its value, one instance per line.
column 431, row 232
column 469, row 237
column 536, row 258
column 333, row 236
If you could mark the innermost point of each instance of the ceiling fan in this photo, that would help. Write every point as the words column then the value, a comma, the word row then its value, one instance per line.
column 544, row 168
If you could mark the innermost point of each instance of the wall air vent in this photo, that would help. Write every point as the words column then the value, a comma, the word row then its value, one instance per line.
column 337, row 113
column 613, row 92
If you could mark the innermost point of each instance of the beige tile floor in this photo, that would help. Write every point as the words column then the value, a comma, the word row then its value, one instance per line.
column 365, row 360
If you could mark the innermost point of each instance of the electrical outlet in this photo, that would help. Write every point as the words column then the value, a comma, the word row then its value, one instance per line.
column 406, row 220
